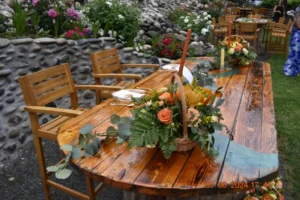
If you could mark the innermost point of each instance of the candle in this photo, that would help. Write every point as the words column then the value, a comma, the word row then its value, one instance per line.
column 185, row 49
column 222, row 58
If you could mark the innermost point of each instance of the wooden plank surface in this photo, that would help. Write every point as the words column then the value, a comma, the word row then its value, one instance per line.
column 248, row 112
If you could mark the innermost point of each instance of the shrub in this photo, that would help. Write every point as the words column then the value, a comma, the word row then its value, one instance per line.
column 200, row 24
column 115, row 16
column 177, row 13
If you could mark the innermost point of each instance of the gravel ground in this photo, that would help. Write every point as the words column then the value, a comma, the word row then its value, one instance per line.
column 26, row 183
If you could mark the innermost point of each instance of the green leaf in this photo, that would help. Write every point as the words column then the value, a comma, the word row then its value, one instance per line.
column 86, row 129
column 95, row 145
column 111, row 131
column 66, row 147
column 67, row 159
column 120, row 141
column 125, row 120
column 76, row 153
column 63, row 174
column 219, row 102
column 124, row 130
column 217, row 126
column 53, row 168
column 115, row 119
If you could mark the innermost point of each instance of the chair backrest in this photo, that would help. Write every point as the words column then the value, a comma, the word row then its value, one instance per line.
column 235, row 11
column 280, row 26
column 106, row 61
column 221, row 19
column 247, row 28
column 281, row 20
column 256, row 16
column 256, row 11
column 213, row 20
column 43, row 87
column 264, row 11
column 230, row 18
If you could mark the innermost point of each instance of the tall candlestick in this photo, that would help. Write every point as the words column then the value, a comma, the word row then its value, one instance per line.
column 222, row 59
column 185, row 49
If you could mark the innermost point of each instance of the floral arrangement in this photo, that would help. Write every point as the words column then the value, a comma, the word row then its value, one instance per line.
column 267, row 191
column 157, row 119
column 200, row 23
column 237, row 51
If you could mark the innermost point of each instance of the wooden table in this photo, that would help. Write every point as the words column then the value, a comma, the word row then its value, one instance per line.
column 250, row 157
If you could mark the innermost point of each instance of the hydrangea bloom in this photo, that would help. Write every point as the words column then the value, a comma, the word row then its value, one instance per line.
column 72, row 13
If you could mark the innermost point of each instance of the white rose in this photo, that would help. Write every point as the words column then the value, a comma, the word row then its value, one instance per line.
column 205, row 18
column 109, row 3
column 186, row 20
column 208, row 22
column 245, row 51
column 206, row 6
column 231, row 51
column 189, row 25
column 214, row 119
column 208, row 16
column 204, row 13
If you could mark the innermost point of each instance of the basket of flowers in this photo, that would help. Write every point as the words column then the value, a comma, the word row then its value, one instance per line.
column 237, row 51
column 176, row 117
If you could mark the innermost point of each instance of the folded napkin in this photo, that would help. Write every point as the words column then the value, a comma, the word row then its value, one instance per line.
column 186, row 72
column 126, row 95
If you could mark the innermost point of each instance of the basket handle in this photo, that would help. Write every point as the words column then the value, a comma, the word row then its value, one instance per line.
column 176, row 78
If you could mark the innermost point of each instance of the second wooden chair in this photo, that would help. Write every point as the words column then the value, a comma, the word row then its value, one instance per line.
column 106, row 64
column 249, row 32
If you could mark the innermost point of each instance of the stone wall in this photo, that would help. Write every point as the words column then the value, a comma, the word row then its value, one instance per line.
column 24, row 56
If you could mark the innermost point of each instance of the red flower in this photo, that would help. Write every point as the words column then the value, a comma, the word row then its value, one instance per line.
column 164, row 52
column 69, row 33
column 156, row 45
column 76, row 28
column 81, row 33
column 167, row 41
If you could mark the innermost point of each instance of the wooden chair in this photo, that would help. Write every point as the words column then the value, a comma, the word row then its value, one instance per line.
column 281, row 20
column 278, row 40
column 256, row 16
column 41, row 88
column 264, row 12
column 236, row 11
column 220, row 31
column 230, row 18
column 249, row 31
column 106, row 64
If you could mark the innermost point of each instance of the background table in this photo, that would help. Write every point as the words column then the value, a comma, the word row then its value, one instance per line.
column 251, row 156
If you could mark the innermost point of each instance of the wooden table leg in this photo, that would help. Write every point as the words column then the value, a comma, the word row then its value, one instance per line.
column 129, row 195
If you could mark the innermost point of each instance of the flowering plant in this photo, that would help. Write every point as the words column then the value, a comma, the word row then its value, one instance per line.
column 167, row 46
column 268, row 191
column 200, row 24
column 157, row 119
column 78, row 34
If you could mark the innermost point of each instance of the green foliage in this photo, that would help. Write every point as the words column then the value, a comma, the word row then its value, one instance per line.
column 19, row 19
column 3, row 24
column 86, row 141
column 177, row 13
column 115, row 16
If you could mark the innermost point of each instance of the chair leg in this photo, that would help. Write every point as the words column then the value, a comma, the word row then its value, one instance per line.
column 90, row 187
column 98, row 92
column 42, row 165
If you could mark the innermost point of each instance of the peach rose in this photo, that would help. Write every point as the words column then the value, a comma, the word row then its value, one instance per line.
column 160, row 103
column 279, row 185
column 165, row 116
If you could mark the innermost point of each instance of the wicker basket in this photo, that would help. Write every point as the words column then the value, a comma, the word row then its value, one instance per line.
column 184, row 143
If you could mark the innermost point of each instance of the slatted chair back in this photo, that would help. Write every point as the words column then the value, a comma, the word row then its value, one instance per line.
column 235, row 11
column 221, row 19
column 256, row 16
column 45, row 86
column 106, row 61
column 256, row 11
column 247, row 28
column 230, row 18
column 281, row 20
column 264, row 12
column 214, row 21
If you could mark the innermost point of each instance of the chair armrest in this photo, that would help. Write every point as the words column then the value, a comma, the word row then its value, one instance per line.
column 97, row 87
column 54, row 111
column 155, row 66
column 133, row 76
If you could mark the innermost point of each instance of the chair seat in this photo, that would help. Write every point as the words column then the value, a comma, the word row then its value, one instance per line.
column 50, row 129
column 124, row 84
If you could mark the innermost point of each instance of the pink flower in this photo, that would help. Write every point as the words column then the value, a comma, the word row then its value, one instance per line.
column 52, row 13
column 85, row 30
column 81, row 33
column 69, row 33
column 76, row 28
column 35, row 2
column 161, row 103
column 72, row 13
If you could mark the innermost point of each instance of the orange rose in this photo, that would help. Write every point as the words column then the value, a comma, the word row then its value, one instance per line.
column 279, row 185
column 165, row 116
column 168, row 97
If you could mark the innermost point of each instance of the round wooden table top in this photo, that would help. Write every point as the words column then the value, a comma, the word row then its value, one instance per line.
column 251, row 156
